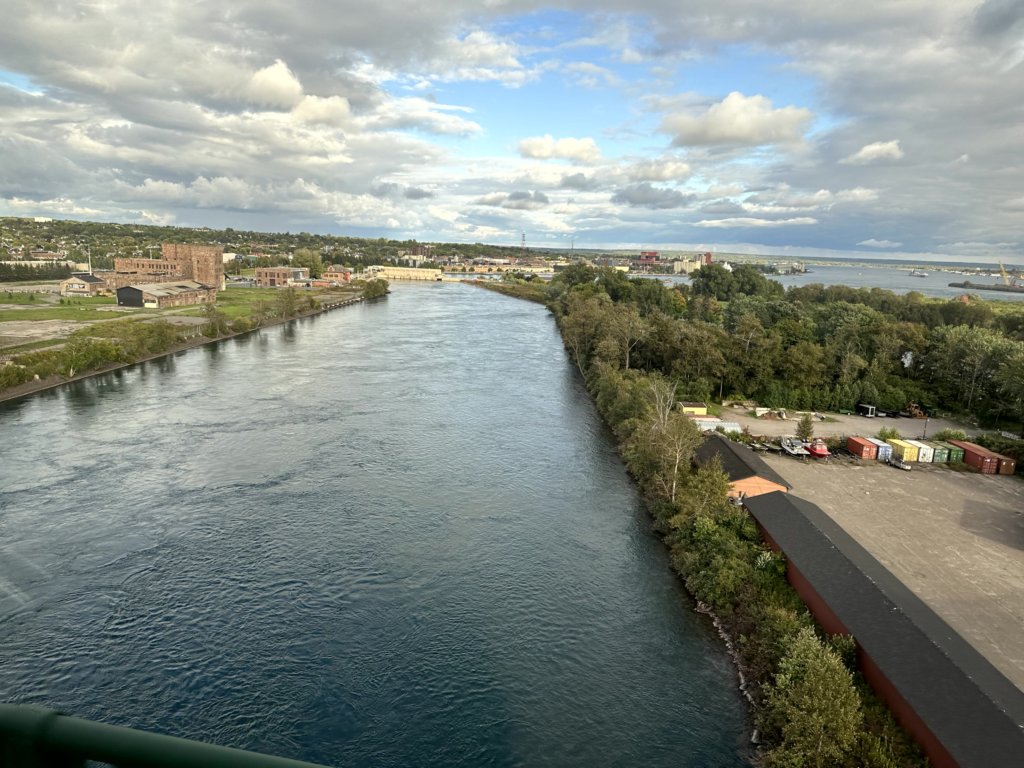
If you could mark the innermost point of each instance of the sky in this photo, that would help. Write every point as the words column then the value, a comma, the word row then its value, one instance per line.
column 804, row 127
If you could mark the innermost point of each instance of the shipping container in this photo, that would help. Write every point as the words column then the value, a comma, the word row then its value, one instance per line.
column 884, row 449
column 940, row 453
column 903, row 450
column 1007, row 466
column 982, row 459
column 861, row 447
column 925, row 454
column 956, row 453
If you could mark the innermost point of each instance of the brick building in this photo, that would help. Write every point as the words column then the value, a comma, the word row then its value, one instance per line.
column 201, row 263
column 271, row 277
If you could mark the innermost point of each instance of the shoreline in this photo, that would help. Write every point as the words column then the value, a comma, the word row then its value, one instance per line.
column 53, row 382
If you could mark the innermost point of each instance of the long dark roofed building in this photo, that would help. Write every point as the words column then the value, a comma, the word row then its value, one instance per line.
column 959, row 708
column 749, row 474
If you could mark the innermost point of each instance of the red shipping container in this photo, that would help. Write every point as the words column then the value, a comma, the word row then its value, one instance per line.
column 861, row 448
column 980, row 458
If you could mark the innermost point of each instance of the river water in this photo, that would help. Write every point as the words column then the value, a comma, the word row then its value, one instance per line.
column 395, row 534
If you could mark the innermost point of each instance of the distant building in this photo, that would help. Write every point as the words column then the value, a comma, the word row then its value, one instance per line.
column 40, row 254
column 749, row 474
column 403, row 273
column 336, row 274
column 161, row 295
column 179, row 261
column 694, row 409
column 279, row 277
column 82, row 284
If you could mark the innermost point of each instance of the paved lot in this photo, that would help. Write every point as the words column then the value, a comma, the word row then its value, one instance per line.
column 841, row 425
column 956, row 538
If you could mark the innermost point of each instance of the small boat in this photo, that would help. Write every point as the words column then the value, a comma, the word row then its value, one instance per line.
column 794, row 447
column 773, row 447
column 818, row 449
column 918, row 273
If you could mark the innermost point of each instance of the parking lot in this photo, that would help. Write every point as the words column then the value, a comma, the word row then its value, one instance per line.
column 955, row 537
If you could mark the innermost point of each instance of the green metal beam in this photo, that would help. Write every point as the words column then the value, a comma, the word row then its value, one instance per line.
column 34, row 737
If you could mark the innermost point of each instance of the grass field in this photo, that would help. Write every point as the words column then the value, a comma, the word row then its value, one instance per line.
column 56, row 312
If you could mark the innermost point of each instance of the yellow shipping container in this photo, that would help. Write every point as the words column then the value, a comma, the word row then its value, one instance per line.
column 903, row 450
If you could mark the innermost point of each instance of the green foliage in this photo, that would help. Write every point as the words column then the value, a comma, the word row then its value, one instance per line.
column 805, row 427
column 949, row 434
column 375, row 288
column 812, row 709
column 888, row 433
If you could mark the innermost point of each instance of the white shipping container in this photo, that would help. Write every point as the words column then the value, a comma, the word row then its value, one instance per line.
column 925, row 453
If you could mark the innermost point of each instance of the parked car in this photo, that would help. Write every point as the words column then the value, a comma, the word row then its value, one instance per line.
column 898, row 463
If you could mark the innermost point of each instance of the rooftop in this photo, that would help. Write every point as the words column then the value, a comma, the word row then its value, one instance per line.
column 738, row 461
column 969, row 706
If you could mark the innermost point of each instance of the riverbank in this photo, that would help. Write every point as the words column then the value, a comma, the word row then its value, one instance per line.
column 44, row 384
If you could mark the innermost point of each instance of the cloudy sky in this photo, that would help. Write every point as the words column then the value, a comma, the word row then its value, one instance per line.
column 804, row 126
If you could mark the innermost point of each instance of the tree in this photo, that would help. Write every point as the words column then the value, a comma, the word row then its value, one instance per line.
column 310, row 258
column 713, row 280
column 812, row 707
column 627, row 327
column 1010, row 380
column 216, row 321
column 805, row 428
column 375, row 288
column 288, row 302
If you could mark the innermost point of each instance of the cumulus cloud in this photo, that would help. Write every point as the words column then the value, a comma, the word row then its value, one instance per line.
column 547, row 148
column 578, row 181
column 873, row 243
column 646, row 195
column 872, row 153
column 518, row 200
column 659, row 169
column 738, row 120
column 332, row 110
column 274, row 86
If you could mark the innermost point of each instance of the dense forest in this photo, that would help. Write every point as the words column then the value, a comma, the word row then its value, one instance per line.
column 641, row 347
column 740, row 335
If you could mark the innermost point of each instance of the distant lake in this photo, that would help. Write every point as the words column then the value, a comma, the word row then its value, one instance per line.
column 898, row 280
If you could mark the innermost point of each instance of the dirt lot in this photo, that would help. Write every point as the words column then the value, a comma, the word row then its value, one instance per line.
column 841, row 425
column 956, row 538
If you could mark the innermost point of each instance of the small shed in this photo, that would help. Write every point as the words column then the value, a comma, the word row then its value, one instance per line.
column 82, row 284
column 694, row 409
column 749, row 474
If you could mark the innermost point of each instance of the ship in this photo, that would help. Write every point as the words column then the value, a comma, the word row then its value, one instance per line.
column 918, row 273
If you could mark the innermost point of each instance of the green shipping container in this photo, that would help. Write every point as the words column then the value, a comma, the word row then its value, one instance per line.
column 941, row 452
column 956, row 454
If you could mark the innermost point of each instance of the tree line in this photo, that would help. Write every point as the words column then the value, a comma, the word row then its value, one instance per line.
column 806, row 348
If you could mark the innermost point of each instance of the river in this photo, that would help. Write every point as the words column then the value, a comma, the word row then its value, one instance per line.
column 395, row 534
